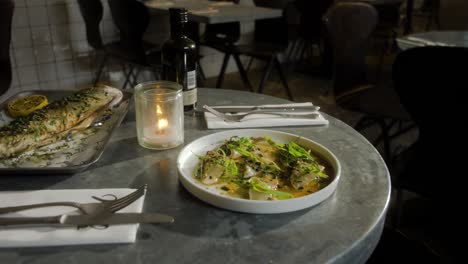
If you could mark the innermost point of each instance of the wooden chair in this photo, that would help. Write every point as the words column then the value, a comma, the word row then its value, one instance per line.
column 430, row 82
column 131, row 18
column 270, row 40
column 312, row 31
column 350, row 26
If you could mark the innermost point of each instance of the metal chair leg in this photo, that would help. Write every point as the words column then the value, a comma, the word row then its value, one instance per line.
column 266, row 73
column 385, row 138
column 397, row 210
column 242, row 72
column 156, row 72
column 100, row 68
column 367, row 121
column 249, row 64
column 283, row 78
column 297, row 52
column 135, row 76
column 127, row 77
column 219, row 82
column 201, row 78
column 289, row 55
column 364, row 122
column 200, row 71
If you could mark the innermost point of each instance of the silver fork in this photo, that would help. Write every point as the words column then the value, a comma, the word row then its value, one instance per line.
column 103, row 205
column 240, row 116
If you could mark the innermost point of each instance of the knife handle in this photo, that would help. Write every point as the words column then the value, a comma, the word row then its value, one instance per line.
column 288, row 108
column 6, row 221
column 12, row 209
column 282, row 110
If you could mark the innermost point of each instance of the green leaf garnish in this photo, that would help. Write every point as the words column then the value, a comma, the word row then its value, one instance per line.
column 264, row 188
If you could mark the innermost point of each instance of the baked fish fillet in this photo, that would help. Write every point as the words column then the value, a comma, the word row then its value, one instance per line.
column 53, row 122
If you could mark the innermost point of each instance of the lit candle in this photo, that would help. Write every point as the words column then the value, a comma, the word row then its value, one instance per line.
column 158, row 131
column 159, row 110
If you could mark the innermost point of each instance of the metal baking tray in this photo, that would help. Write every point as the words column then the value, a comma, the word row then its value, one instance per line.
column 71, row 155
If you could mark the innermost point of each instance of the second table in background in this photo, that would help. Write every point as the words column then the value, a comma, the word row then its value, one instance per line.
column 210, row 12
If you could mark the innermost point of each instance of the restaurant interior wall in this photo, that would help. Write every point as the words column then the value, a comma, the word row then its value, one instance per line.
column 49, row 49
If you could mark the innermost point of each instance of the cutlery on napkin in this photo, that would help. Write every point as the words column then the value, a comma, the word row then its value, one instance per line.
column 32, row 236
column 266, row 120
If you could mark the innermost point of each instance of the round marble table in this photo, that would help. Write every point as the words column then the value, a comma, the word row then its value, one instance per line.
column 343, row 229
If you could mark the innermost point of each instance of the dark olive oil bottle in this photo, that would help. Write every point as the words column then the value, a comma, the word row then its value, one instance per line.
column 179, row 56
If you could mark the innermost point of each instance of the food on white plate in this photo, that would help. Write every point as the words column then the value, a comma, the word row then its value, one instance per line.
column 56, row 120
column 262, row 169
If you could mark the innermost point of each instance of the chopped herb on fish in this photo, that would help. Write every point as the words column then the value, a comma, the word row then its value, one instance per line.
column 55, row 121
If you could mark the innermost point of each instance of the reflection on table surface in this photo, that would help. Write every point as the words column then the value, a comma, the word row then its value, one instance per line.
column 434, row 38
column 343, row 229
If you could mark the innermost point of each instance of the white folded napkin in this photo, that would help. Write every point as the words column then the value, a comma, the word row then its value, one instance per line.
column 34, row 236
column 266, row 120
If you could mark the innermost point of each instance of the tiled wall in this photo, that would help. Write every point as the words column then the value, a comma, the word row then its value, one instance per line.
column 49, row 48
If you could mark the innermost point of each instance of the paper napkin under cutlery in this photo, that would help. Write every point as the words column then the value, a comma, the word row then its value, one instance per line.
column 35, row 236
column 266, row 120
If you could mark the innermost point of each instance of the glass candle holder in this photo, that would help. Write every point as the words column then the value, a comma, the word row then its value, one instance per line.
column 159, row 111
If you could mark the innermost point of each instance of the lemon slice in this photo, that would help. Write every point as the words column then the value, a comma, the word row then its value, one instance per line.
column 25, row 105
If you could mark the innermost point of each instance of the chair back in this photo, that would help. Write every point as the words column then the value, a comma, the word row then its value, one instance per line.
column 430, row 81
column 389, row 13
column 311, row 17
column 92, row 13
column 272, row 30
column 349, row 27
column 131, row 18
column 6, row 17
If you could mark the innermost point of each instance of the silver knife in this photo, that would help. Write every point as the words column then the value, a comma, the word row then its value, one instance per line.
column 88, row 220
column 289, row 109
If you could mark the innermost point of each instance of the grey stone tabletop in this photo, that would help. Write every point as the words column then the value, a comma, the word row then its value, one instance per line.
column 211, row 12
column 434, row 38
column 345, row 228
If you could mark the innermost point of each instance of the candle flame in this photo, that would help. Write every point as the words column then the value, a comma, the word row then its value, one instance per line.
column 162, row 123
column 158, row 110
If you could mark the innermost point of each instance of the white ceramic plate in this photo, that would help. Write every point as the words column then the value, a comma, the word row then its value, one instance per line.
column 187, row 162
